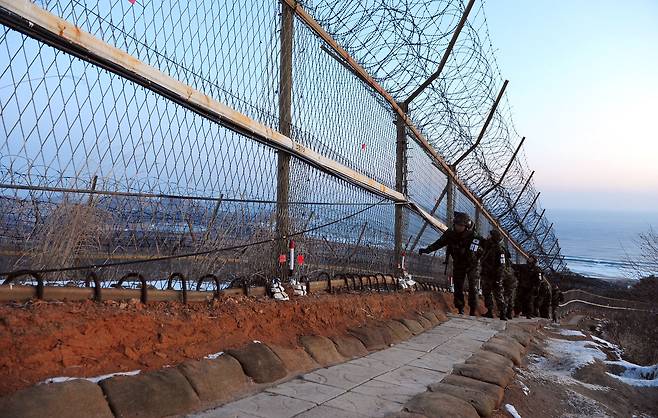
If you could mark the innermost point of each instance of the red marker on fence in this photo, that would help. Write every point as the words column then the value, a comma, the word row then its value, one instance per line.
column 132, row 1
column 363, row 147
column 300, row 259
column 282, row 259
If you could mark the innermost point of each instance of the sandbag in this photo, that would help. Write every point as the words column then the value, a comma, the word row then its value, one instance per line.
column 150, row 395
column 483, row 403
column 322, row 349
column 295, row 360
column 217, row 380
column 390, row 337
column 399, row 330
column 489, row 357
column 349, row 346
column 440, row 405
column 412, row 325
column 504, row 350
column 432, row 318
column 73, row 399
column 260, row 363
column 490, row 389
column 424, row 322
column 405, row 414
column 485, row 373
column 371, row 337
column 441, row 316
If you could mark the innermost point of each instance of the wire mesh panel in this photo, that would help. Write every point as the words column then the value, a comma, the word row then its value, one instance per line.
column 400, row 44
column 99, row 172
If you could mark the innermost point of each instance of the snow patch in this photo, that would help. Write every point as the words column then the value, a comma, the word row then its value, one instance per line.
column 610, row 346
column 95, row 379
column 214, row 355
column 634, row 375
column 565, row 357
column 575, row 354
column 571, row 333
column 526, row 389
column 512, row 411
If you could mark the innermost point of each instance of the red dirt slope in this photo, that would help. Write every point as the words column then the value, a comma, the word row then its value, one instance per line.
column 40, row 339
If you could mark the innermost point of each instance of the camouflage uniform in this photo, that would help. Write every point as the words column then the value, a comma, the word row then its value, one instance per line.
column 556, row 298
column 528, row 276
column 544, row 299
column 493, row 262
column 509, row 285
column 464, row 249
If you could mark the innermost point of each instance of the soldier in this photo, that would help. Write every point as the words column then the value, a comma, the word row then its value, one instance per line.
column 556, row 298
column 543, row 300
column 464, row 247
column 528, row 276
column 493, row 262
column 509, row 286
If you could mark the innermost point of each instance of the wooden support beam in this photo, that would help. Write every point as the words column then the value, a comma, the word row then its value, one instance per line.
column 516, row 201
column 541, row 244
column 450, row 203
column 285, row 124
column 526, row 213
column 532, row 233
column 484, row 127
column 550, row 263
column 446, row 54
column 94, row 180
column 500, row 181
column 432, row 212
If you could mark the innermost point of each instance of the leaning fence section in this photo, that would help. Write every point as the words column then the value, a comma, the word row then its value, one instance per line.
column 105, row 170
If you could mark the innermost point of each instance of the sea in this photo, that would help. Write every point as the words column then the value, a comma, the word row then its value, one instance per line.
column 600, row 243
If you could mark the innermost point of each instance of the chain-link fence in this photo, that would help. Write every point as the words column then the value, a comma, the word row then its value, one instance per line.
column 103, row 168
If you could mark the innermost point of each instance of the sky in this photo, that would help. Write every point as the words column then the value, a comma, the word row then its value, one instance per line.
column 584, row 91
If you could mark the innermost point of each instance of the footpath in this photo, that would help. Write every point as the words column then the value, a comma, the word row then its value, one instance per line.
column 457, row 368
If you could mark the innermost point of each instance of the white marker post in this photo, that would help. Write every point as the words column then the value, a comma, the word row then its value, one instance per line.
column 291, row 263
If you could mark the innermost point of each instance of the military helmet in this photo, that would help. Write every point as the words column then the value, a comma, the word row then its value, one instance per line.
column 496, row 235
column 463, row 219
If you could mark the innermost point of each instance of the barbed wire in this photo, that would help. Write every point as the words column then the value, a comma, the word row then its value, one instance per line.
column 94, row 167
column 400, row 43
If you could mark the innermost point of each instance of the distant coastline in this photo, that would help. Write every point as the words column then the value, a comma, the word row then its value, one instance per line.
column 599, row 244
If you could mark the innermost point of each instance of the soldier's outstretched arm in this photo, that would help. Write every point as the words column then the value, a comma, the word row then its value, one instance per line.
column 438, row 244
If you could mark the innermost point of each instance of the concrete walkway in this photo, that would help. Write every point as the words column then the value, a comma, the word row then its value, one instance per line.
column 371, row 386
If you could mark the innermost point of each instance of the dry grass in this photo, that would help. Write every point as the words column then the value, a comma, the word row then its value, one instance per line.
column 69, row 231
column 637, row 334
